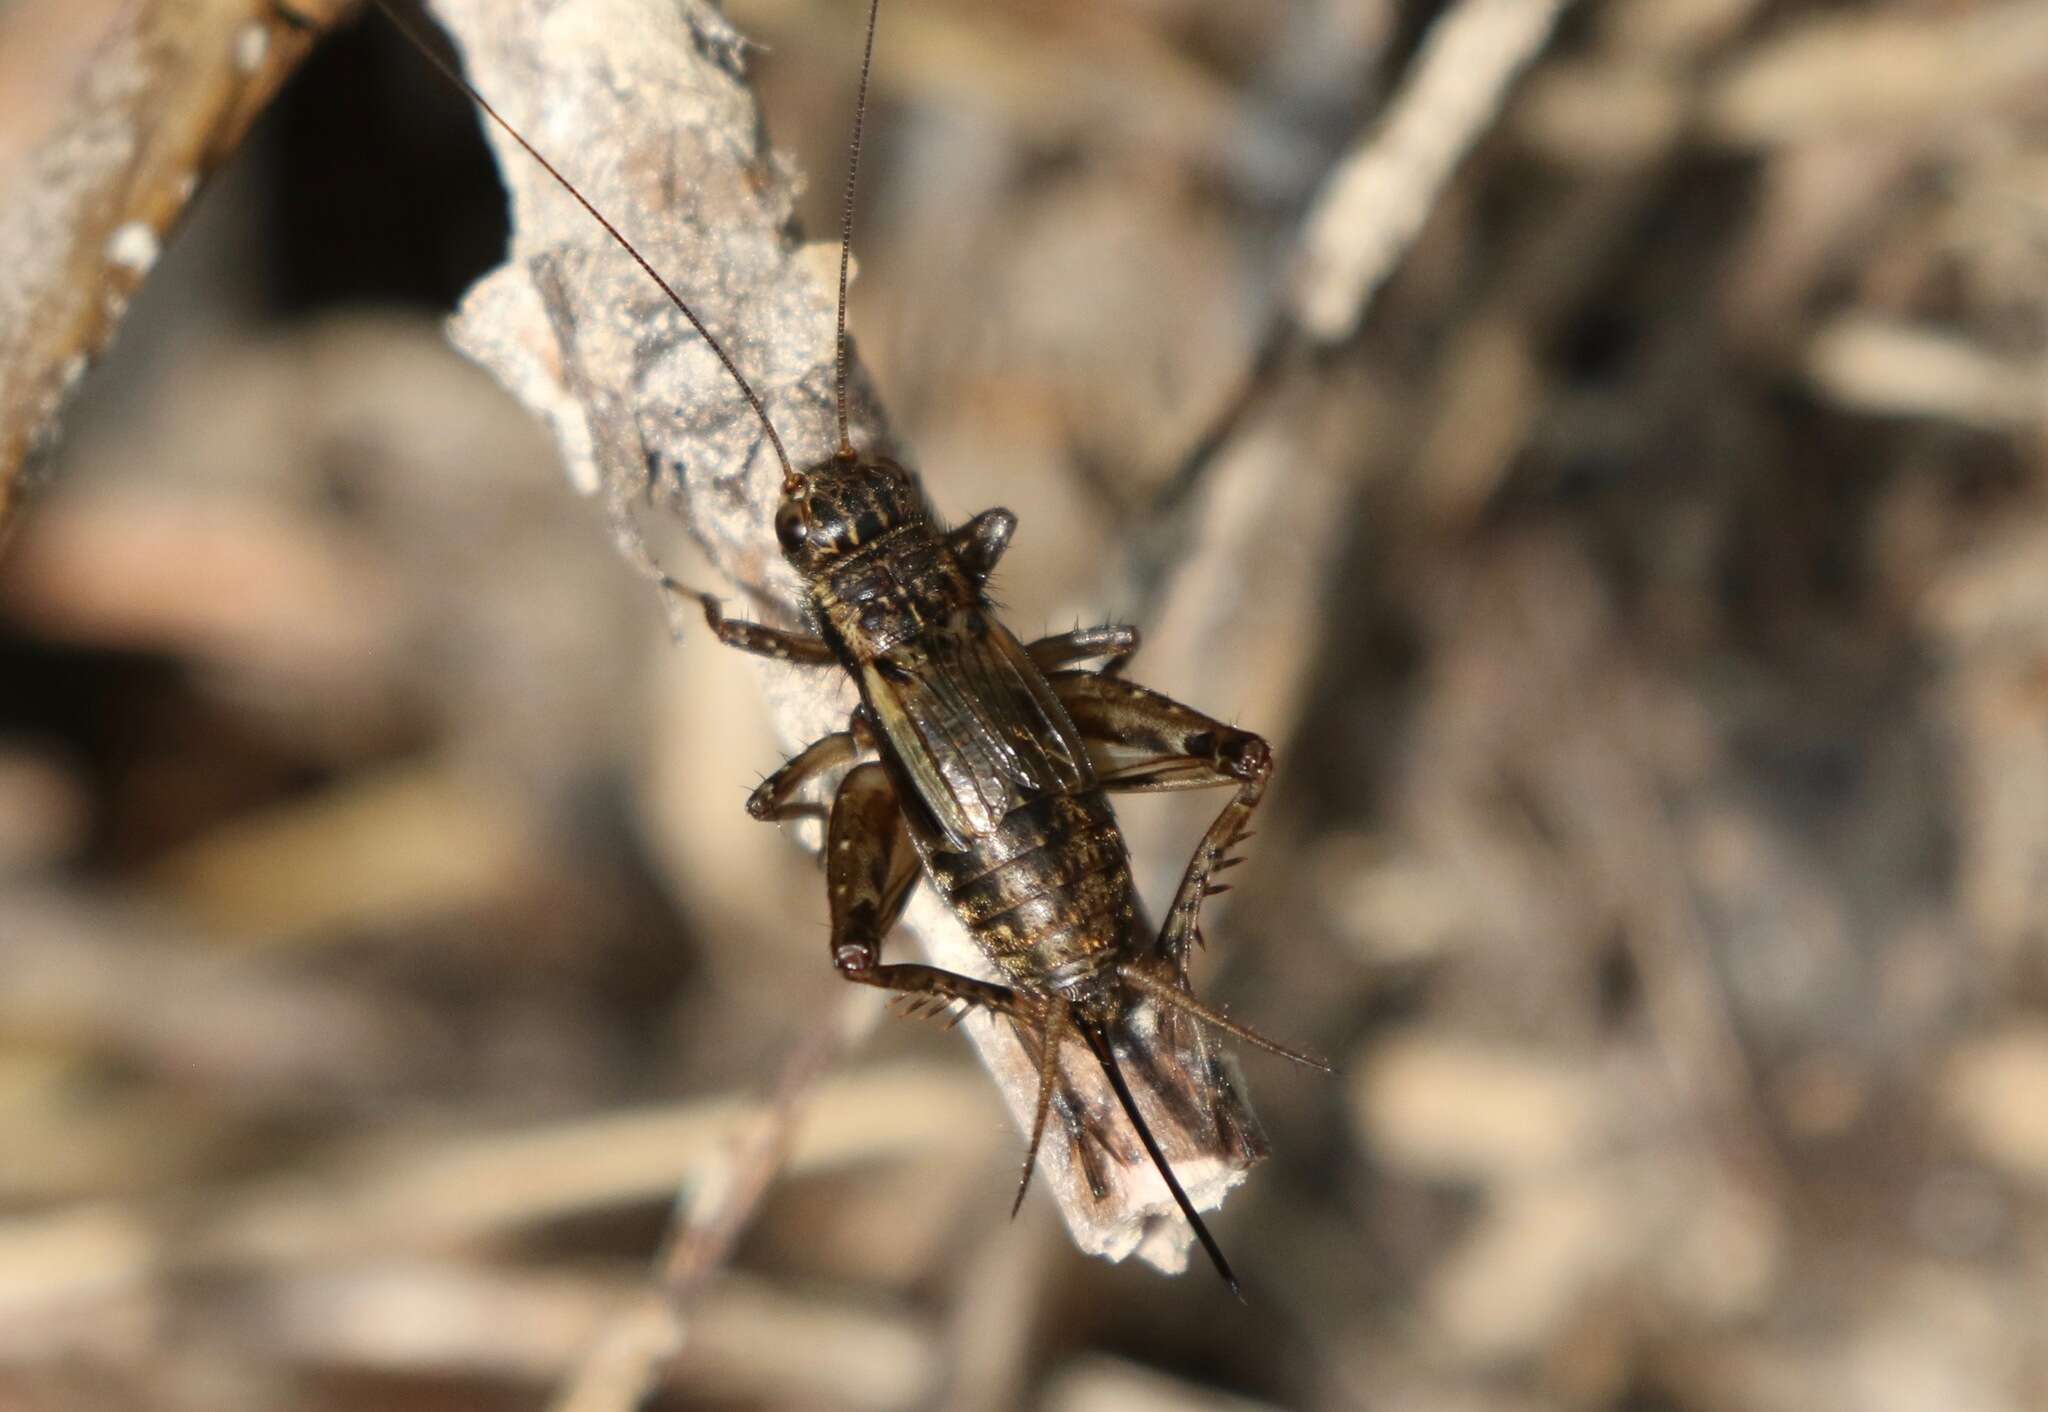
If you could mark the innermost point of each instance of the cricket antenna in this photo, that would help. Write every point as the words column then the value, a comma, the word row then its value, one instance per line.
column 791, row 481
column 1098, row 1040
column 860, row 114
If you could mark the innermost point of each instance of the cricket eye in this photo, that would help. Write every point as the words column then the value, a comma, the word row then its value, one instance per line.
column 791, row 529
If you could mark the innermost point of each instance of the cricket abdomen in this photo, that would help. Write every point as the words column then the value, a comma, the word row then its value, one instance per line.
column 1048, row 895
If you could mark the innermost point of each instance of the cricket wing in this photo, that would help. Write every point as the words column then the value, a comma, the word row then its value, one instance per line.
column 974, row 723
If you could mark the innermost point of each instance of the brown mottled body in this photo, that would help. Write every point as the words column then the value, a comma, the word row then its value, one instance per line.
column 985, row 765
column 1048, row 896
column 1020, row 841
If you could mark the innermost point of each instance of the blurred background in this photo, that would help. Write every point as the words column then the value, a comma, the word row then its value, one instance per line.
column 1649, row 606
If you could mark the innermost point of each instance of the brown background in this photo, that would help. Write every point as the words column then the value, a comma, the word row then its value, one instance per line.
column 1658, row 666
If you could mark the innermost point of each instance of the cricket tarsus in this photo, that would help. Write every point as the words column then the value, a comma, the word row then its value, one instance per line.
column 1105, row 1054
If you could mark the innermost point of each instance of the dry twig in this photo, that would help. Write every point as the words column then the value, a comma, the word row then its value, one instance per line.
column 1363, row 221
column 648, row 110
column 164, row 97
column 1374, row 203
column 621, row 1368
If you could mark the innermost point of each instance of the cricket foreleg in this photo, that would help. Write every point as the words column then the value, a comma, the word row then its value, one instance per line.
column 1142, row 742
column 870, row 868
column 757, row 638
column 775, row 799
column 1113, row 642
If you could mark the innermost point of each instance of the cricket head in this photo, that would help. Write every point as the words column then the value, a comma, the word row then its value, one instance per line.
column 842, row 503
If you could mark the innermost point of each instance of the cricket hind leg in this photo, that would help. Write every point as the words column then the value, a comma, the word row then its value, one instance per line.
column 1054, row 1025
column 870, row 869
column 1143, row 743
column 1096, row 1139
